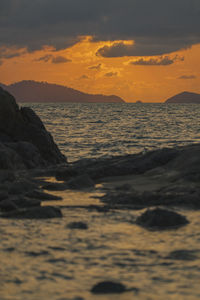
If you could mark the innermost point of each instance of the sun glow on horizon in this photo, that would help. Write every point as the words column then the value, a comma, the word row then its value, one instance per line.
column 146, row 78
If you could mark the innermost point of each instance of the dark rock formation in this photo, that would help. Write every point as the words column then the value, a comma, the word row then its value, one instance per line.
column 184, row 97
column 40, row 212
column 160, row 219
column 80, row 182
column 33, row 91
column 24, row 141
column 108, row 287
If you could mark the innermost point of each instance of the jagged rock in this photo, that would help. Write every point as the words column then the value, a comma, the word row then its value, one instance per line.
column 24, row 141
column 41, row 212
column 108, row 287
column 160, row 219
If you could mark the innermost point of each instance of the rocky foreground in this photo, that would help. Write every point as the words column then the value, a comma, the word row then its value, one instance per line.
column 161, row 179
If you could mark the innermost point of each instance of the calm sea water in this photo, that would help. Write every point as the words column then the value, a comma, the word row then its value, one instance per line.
column 94, row 130
column 47, row 260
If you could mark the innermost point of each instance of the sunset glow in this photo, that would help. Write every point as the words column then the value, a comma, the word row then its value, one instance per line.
column 80, row 68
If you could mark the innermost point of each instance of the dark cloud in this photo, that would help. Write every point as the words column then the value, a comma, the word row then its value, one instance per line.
column 187, row 77
column 84, row 77
column 53, row 59
column 160, row 61
column 44, row 58
column 60, row 60
column 6, row 53
column 157, row 27
column 96, row 67
column 111, row 74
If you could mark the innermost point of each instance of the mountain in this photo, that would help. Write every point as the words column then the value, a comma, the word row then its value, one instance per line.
column 185, row 97
column 33, row 91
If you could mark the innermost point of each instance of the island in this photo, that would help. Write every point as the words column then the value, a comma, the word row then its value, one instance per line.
column 184, row 97
column 34, row 91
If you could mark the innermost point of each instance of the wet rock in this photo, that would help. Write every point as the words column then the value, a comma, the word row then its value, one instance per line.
column 42, row 212
column 25, row 202
column 81, row 182
column 160, row 219
column 36, row 194
column 7, row 205
column 55, row 186
column 108, row 287
column 77, row 225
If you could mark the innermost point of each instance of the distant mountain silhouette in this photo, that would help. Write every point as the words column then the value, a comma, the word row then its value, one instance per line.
column 33, row 91
column 185, row 97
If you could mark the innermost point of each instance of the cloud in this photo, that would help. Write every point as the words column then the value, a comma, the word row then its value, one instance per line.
column 7, row 53
column 160, row 61
column 53, row 59
column 44, row 58
column 111, row 74
column 187, row 77
column 84, row 77
column 157, row 27
column 60, row 60
column 95, row 67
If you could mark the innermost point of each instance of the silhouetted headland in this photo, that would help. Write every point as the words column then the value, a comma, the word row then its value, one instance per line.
column 33, row 91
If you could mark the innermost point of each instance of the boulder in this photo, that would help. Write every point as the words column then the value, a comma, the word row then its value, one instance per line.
column 160, row 219
column 24, row 141
column 108, row 287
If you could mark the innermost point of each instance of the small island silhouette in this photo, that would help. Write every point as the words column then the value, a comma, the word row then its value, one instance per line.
column 184, row 97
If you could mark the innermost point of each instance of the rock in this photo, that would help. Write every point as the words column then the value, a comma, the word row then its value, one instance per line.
column 77, row 225
column 24, row 202
column 21, row 186
column 81, row 182
column 42, row 212
column 7, row 175
column 66, row 173
column 55, row 186
column 7, row 205
column 36, row 194
column 108, row 287
column 160, row 219
column 28, row 153
column 3, row 195
column 23, row 138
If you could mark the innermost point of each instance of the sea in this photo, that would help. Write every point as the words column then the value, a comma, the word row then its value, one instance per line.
column 44, row 259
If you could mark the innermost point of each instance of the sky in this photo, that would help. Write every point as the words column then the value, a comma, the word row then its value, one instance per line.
column 145, row 50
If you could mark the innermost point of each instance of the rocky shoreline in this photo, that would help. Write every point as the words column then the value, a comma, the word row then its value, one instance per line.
column 166, row 178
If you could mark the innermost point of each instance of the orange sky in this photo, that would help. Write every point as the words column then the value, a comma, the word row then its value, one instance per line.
column 79, row 67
